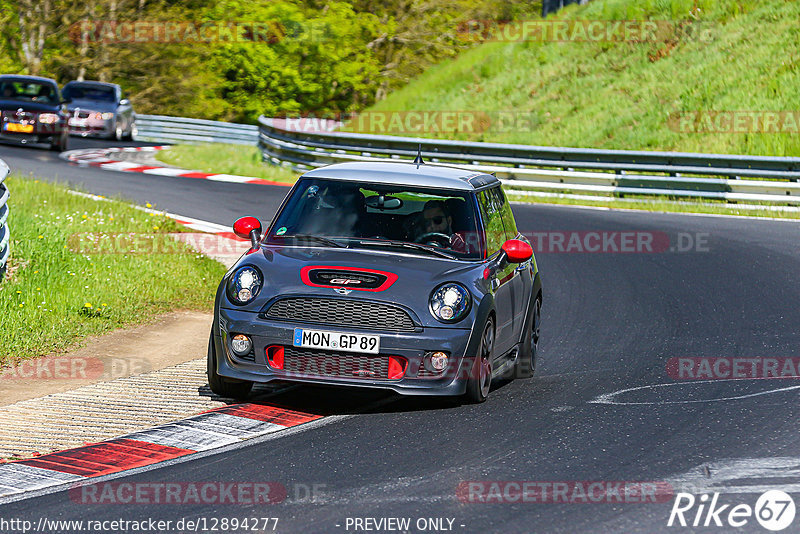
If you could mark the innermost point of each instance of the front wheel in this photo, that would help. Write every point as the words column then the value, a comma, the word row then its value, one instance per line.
column 224, row 387
column 480, row 378
column 60, row 145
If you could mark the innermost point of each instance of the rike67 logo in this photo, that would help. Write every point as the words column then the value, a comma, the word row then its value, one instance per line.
column 774, row 510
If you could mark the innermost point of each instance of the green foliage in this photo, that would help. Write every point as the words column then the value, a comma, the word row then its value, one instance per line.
column 721, row 55
column 315, row 58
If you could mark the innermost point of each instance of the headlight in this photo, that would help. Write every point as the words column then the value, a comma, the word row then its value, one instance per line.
column 244, row 284
column 450, row 302
column 48, row 118
column 102, row 116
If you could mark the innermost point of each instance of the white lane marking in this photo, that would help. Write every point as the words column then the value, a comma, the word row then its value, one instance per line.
column 608, row 398
column 231, row 178
column 119, row 166
column 233, row 425
column 166, row 171
column 740, row 475
column 19, row 478
column 196, row 224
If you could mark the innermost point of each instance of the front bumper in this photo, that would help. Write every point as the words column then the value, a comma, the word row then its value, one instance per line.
column 91, row 127
column 412, row 346
column 32, row 138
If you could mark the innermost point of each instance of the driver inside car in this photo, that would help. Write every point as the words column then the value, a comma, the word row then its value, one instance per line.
column 436, row 219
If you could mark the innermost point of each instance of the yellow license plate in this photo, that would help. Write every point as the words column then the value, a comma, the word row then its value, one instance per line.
column 21, row 128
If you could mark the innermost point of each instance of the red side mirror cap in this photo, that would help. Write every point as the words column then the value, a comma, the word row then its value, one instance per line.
column 244, row 227
column 517, row 251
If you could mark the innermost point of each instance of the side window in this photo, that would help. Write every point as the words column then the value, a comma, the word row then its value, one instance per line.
column 508, row 216
column 492, row 219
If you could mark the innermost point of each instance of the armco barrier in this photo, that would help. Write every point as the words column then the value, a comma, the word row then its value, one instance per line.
column 163, row 129
column 5, row 231
column 551, row 169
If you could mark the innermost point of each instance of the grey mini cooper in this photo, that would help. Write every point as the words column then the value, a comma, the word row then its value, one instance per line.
column 408, row 277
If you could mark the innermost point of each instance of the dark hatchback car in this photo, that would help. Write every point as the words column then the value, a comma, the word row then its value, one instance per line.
column 100, row 110
column 32, row 111
column 406, row 277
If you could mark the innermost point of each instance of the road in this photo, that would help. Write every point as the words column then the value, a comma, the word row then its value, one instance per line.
column 611, row 322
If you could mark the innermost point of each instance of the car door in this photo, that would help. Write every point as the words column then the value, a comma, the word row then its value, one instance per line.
column 521, row 281
column 490, row 204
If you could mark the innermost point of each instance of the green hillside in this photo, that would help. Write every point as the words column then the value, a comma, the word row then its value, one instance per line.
column 720, row 55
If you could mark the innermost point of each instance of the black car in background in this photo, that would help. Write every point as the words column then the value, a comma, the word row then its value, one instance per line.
column 99, row 109
column 32, row 111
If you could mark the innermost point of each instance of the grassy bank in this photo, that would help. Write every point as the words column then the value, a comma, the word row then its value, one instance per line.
column 724, row 55
column 241, row 160
column 53, row 296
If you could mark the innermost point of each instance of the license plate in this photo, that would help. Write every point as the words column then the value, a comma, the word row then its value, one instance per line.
column 77, row 122
column 343, row 341
column 21, row 128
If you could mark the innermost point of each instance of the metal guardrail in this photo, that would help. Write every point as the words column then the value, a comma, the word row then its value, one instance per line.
column 163, row 129
column 549, row 169
column 5, row 231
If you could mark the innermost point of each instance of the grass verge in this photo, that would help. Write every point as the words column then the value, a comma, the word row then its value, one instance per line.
column 662, row 206
column 241, row 160
column 725, row 56
column 53, row 297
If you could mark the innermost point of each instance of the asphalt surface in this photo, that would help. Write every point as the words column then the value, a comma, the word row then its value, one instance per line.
column 611, row 321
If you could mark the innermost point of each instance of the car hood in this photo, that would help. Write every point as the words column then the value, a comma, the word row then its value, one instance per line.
column 14, row 105
column 417, row 275
column 91, row 105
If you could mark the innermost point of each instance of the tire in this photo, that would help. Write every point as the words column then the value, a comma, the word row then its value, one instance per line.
column 61, row 144
column 526, row 363
column 131, row 133
column 480, row 377
column 234, row 389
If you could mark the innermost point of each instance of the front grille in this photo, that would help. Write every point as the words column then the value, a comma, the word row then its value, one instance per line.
column 82, row 114
column 312, row 362
column 342, row 312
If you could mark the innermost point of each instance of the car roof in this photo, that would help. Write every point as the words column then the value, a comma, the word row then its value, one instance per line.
column 395, row 173
column 26, row 78
column 91, row 82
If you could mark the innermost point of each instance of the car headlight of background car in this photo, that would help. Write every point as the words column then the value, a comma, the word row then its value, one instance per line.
column 450, row 302
column 103, row 116
column 48, row 118
column 244, row 284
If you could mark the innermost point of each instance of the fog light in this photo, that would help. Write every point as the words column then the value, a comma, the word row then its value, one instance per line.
column 245, row 295
column 438, row 361
column 241, row 344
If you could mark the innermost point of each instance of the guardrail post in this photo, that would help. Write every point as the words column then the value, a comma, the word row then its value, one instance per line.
column 5, row 231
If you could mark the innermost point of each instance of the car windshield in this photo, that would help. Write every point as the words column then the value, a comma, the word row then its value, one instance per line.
column 26, row 91
column 76, row 91
column 419, row 220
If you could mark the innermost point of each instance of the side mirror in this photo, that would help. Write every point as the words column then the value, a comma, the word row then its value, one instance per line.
column 248, row 228
column 517, row 251
column 124, row 102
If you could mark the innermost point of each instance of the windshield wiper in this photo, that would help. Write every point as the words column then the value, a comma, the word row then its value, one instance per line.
column 406, row 244
column 318, row 239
